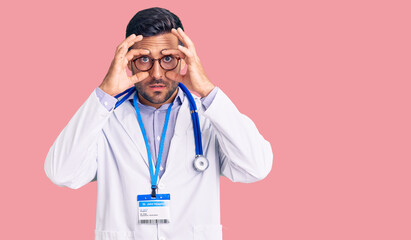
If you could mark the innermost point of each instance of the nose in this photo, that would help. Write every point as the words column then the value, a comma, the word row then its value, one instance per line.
column 156, row 71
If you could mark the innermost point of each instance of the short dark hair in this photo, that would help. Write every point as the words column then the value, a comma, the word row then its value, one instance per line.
column 153, row 21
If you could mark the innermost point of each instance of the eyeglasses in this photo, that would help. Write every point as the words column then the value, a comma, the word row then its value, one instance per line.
column 145, row 63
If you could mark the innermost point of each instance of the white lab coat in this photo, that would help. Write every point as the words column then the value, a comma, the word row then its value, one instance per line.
column 111, row 144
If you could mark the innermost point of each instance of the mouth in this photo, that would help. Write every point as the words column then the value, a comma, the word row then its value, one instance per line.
column 157, row 87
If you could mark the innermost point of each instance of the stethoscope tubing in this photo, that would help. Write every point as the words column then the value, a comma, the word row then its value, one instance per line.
column 128, row 91
column 196, row 121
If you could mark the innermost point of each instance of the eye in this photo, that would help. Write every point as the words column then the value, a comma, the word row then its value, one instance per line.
column 144, row 59
column 168, row 58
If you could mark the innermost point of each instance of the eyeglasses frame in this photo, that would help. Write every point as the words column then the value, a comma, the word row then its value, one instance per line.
column 153, row 60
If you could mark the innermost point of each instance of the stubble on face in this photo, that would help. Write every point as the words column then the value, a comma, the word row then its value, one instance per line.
column 158, row 97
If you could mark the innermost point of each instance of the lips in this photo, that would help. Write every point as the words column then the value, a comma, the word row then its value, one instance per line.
column 156, row 87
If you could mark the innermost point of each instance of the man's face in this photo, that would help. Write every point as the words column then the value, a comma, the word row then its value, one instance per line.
column 156, row 88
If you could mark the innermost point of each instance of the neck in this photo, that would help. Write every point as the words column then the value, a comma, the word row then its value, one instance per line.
column 157, row 105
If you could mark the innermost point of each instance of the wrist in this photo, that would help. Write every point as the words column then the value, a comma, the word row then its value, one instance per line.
column 206, row 90
column 106, row 90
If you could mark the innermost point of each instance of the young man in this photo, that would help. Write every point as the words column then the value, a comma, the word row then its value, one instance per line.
column 150, row 182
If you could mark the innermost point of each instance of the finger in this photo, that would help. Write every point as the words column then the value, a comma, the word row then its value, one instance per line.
column 140, row 76
column 177, row 34
column 122, row 44
column 132, row 41
column 127, row 43
column 185, row 50
column 175, row 76
column 129, row 38
column 121, row 53
column 133, row 53
column 136, row 52
column 173, row 52
column 190, row 43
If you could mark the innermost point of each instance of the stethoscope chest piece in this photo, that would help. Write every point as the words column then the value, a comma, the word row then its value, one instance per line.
column 200, row 163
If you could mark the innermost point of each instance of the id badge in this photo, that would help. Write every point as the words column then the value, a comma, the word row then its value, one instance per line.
column 153, row 210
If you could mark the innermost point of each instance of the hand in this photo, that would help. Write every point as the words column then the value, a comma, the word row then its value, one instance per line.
column 116, row 79
column 195, row 78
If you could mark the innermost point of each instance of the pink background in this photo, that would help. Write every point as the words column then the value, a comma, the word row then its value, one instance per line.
column 326, row 82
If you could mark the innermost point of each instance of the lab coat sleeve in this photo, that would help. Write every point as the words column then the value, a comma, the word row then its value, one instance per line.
column 72, row 159
column 245, row 156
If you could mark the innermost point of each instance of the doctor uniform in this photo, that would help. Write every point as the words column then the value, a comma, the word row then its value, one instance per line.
column 106, row 144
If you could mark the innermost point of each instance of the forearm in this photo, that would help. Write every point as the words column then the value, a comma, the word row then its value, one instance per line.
column 72, row 159
column 245, row 155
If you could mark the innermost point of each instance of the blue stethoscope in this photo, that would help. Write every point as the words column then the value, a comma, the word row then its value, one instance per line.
column 200, row 163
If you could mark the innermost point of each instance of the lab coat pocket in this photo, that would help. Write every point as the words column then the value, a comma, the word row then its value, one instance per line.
column 208, row 232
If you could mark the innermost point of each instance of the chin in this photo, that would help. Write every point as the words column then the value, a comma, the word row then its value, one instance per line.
column 157, row 99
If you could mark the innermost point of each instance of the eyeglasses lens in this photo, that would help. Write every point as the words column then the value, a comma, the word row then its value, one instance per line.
column 144, row 63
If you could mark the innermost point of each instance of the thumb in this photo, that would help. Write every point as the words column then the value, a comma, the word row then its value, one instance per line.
column 174, row 76
column 140, row 76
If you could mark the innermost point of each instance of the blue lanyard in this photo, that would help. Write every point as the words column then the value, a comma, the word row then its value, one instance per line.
column 153, row 175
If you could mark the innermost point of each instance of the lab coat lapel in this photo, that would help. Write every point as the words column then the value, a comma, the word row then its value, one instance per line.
column 127, row 117
column 183, row 123
column 183, row 120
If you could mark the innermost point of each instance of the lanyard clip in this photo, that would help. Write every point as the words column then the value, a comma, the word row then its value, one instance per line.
column 153, row 191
